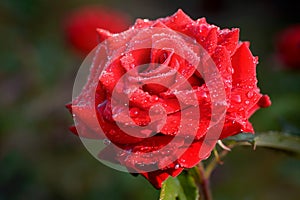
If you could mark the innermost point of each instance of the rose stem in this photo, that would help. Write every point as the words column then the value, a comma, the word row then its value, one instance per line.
column 204, row 187
column 217, row 160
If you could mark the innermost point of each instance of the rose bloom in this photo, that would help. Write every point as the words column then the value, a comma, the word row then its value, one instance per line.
column 233, row 60
column 80, row 25
column 288, row 46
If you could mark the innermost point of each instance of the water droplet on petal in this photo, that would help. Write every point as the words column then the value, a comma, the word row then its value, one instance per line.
column 237, row 98
column 156, row 98
column 247, row 102
column 232, row 70
column 250, row 94
column 176, row 166
column 106, row 142
column 100, row 105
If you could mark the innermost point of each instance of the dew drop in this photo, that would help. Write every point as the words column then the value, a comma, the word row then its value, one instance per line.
column 176, row 166
column 237, row 98
column 128, row 151
column 102, row 104
column 232, row 70
column 247, row 102
column 140, row 164
column 106, row 142
column 250, row 94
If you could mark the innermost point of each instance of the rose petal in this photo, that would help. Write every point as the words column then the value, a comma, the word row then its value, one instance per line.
column 211, row 40
column 156, row 178
column 192, row 156
column 112, row 74
column 103, row 34
column 177, row 21
column 229, row 39
column 244, row 65
column 112, row 131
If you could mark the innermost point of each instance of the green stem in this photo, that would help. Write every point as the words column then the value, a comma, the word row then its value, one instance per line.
column 214, row 163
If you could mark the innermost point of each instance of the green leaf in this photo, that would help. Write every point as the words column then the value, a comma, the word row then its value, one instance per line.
column 188, row 184
column 181, row 188
column 172, row 190
column 275, row 140
column 242, row 137
column 278, row 140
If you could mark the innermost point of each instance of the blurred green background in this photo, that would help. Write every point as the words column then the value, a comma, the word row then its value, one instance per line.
column 41, row 159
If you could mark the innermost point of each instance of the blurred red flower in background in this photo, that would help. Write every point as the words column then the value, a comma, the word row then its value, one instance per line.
column 288, row 46
column 80, row 25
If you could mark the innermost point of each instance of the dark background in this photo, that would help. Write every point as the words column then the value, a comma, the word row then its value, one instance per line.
column 41, row 159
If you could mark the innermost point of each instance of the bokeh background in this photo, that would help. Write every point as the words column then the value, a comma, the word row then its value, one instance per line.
column 41, row 159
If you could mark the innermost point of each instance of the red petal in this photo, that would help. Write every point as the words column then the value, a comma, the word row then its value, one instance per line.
column 112, row 74
column 145, row 101
column 222, row 60
column 229, row 39
column 103, row 34
column 73, row 130
column 156, row 178
column 234, row 125
column 69, row 107
column 264, row 101
column 211, row 40
column 174, row 172
column 172, row 124
column 112, row 130
column 177, row 21
column 86, row 115
column 136, row 58
column 142, row 23
column 192, row 156
column 244, row 65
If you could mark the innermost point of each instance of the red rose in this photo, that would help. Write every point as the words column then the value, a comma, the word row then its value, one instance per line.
column 163, row 92
column 80, row 26
column 288, row 46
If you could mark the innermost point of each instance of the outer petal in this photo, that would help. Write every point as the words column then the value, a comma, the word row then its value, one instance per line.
column 156, row 178
column 244, row 65
column 229, row 39
column 178, row 21
column 193, row 155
